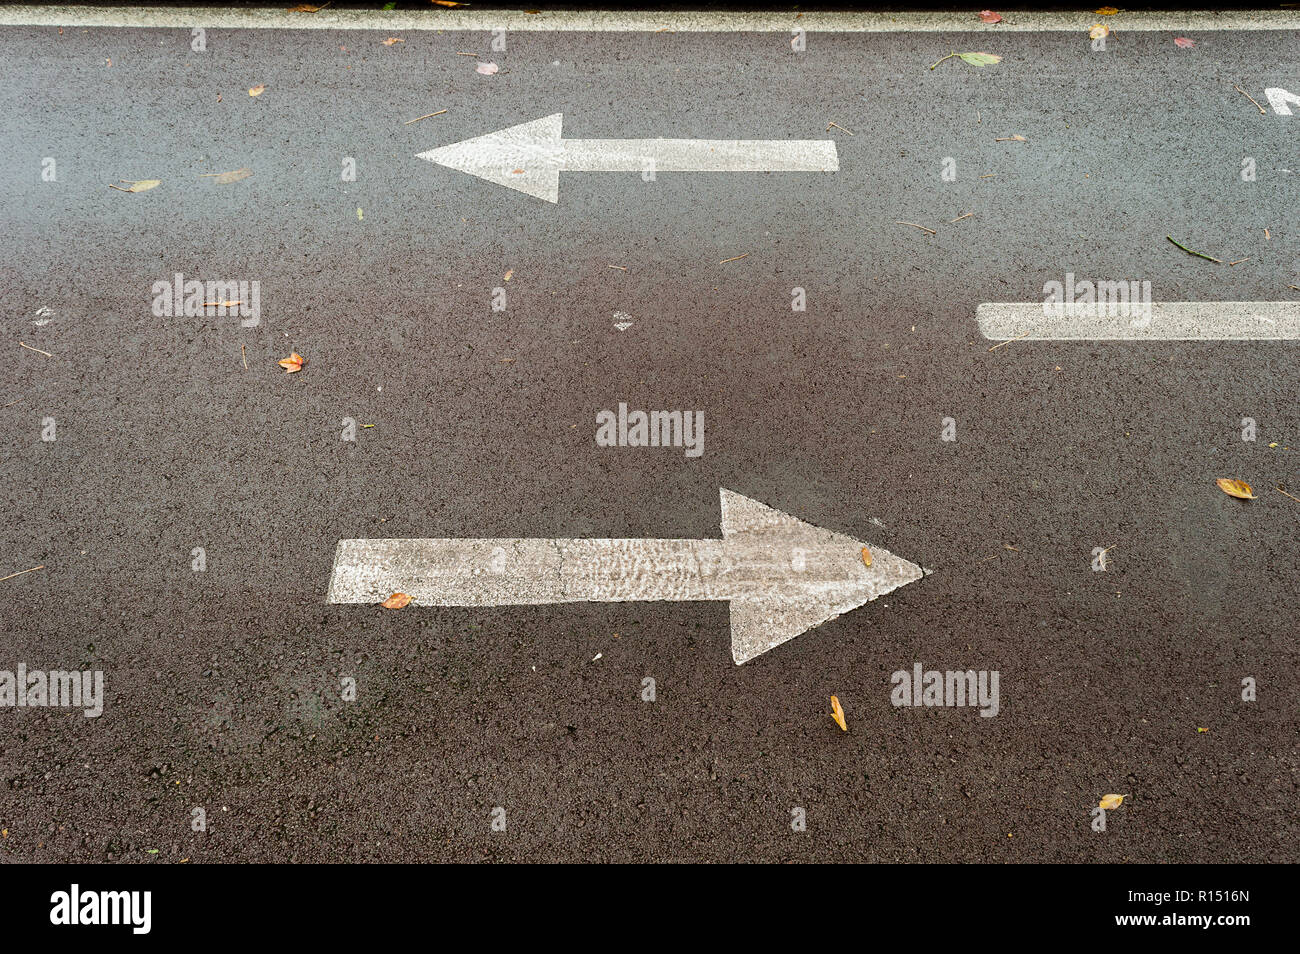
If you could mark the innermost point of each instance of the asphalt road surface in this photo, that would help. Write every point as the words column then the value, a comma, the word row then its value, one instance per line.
column 226, row 688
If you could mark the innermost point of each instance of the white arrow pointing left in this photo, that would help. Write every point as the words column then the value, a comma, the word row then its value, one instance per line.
column 529, row 157
column 782, row 576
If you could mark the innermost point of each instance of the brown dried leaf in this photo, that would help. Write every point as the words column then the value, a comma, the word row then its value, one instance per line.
column 396, row 601
column 1236, row 488
column 393, row 39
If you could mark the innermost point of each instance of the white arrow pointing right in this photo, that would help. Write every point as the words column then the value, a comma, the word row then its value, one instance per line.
column 782, row 576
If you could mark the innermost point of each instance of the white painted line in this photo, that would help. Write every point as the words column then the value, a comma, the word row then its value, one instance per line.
column 639, row 21
column 530, row 156
column 1167, row 321
column 782, row 576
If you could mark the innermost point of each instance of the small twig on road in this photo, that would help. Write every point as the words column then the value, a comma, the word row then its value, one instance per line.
column 21, row 572
column 1191, row 251
column 1285, row 494
column 736, row 259
column 1249, row 97
column 418, row 118
column 1009, row 340
column 244, row 354
column 960, row 217
column 915, row 226
column 621, row 268
column 38, row 350
column 1240, row 260
column 838, row 126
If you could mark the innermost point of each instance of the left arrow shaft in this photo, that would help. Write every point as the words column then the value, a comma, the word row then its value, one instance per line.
column 517, row 572
column 699, row 155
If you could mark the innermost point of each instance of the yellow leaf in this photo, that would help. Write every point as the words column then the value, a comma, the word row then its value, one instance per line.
column 1098, row 31
column 1106, row 12
column 396, row 601
column 1236, row 488
column 292, row 363
column 1111, row 801
column 225, row 178
column 866, row 556
column 257, row 90
column 837, row 713
column 138, row 185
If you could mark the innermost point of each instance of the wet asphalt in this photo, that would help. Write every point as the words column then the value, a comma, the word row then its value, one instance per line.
column 223, row 687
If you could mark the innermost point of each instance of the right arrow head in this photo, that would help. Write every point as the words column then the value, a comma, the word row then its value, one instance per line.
column 793, row 576
column 526, row 157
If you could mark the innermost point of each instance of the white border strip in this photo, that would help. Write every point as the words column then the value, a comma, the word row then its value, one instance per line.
column 1167, row 321
column 638, row 21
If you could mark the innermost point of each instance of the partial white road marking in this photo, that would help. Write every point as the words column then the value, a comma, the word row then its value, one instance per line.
column 1168, row 321
column 1280, row 100
column 529, row 157
column 641, row 22
column 782, row 576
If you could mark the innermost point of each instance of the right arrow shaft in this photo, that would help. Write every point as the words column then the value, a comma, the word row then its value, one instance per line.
column 517, row 572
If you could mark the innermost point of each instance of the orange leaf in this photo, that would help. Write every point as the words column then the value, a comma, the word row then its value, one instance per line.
column 293, row 363
column 866, row 556
column 1236, row 488
column 837, row 713
column 257, row 90
column 448, row 3
column 396, row 601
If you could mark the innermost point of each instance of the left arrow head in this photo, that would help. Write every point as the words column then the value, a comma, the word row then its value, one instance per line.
column 526, row 157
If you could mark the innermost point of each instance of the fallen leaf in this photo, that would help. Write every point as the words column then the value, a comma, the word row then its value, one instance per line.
column 988, row 16
column 393, row 39
column 508, row 274
column 837, row 713
column 487, row 69
column 225, row 178
column 360, row 216
column 138, row 185
column 396, row 601
column 1016, row 138
column 1106, row 12
column 292, row 363
column 257, row 90
column 1183, row 43
column 981, row 59
column 1098, row 31
column 448, row 3
column 304, row 8
column 866, row 556
column 1236, row 488
column 1199, row 729
column 1111, row 801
